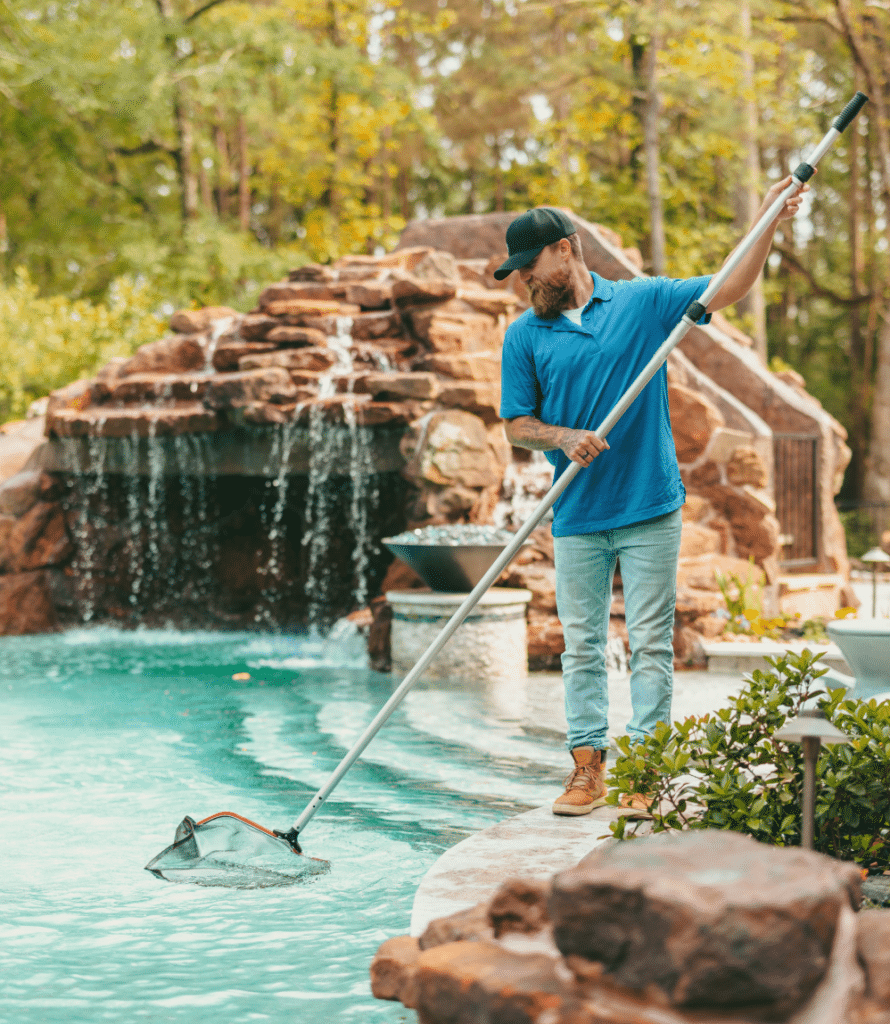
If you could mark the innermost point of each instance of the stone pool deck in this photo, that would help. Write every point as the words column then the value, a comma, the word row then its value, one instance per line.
column 536, row 844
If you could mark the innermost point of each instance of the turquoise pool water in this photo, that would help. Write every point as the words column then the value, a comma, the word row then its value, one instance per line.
column 107, row 739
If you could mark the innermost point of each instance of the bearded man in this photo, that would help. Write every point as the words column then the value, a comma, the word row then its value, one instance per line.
column 566, row 362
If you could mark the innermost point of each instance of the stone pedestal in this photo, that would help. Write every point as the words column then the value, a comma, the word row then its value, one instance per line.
column 491, row 642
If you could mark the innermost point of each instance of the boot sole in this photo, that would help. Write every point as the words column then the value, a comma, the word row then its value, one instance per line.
column 569, row 810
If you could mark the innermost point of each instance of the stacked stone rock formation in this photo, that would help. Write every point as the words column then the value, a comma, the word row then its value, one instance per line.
column 410, row 342
column 675, row 929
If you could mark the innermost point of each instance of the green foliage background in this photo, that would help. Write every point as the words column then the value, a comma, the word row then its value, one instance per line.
column 198, row 148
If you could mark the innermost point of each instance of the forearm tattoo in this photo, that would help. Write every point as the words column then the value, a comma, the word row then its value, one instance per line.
column 528, row 432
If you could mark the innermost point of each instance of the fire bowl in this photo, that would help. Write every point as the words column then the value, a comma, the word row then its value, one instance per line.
column 450, row 559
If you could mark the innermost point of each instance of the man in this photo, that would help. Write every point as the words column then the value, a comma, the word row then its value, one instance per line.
column 566, row 362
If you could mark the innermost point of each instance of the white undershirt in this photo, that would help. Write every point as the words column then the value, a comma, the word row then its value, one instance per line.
column 574, row 314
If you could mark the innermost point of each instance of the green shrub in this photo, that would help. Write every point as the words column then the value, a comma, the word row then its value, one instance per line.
column 46, row 343
column 725, row 770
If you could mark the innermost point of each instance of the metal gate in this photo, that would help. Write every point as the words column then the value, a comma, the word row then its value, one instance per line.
column 797, row 498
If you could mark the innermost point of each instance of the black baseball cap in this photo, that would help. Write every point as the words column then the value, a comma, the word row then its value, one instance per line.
column 530, row 233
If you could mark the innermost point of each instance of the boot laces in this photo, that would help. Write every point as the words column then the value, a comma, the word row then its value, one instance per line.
column 580, row 777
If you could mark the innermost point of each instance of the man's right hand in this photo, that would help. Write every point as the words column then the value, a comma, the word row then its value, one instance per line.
column 582, row 446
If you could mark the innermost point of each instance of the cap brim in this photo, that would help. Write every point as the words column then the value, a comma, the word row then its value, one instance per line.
column 517, row 260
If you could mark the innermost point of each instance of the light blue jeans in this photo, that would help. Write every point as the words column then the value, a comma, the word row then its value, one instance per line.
column 585, row 567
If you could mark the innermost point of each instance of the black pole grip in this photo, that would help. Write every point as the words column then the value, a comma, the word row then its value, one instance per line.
column 850, row 111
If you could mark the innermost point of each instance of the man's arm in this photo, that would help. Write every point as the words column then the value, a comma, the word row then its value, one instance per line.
column 742, row 279
column 581, row 446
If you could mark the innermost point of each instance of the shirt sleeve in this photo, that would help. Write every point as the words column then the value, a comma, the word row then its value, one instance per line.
column 673, row 298
column 520, row 391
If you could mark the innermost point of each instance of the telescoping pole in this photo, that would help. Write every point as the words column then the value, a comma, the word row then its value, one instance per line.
column 692, row 315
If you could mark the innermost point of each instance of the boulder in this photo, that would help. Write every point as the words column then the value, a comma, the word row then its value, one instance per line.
column 393, row 970
column 309, row 307
column 287, row 291
column 199, row 321
column 358, row 409
column 408, row 290
column 692, row 604
column 21, row 492
column 388, row 387
column 78, row 394
column 324, row 322
column 255, row 326
column 545, row 642
column 699, row 540
column 312, row 272
column 495, row 985
column 26, row 604
column 269, row 384
column 745, row 466
column 451, row 448
column 227, row 354
column 689, row 651
column 495, row 302
column 540, row 579
column 436, row 265
column 176, row 354
column 693, row 420
column 480, row 398
column 477, row 366
column 320, row 359
column 699, row 572
column 153, row 387
column 706, row 919
column 36, row 540
column 370, row 294
column 455, row 332
column 142, row 421
column 874, row 953
column 7, row 523
column 20, row 443
column 367, row 326
column 300, row 336
column 470, row 924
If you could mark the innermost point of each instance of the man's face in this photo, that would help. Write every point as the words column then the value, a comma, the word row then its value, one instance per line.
column 549, row 283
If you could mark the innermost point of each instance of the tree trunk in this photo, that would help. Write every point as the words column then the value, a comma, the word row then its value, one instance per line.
column 860, row 368
column 243, row 177
column 185, row 159
column 866, row 33
column 650, row 145
column 224, row 173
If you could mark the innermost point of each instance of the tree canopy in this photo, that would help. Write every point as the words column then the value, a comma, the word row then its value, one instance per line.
column 196, row 148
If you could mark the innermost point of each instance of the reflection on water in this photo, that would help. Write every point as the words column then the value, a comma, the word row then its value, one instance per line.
column 108, row 739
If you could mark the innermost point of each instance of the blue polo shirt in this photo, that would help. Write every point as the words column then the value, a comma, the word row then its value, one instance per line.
column 572, row 376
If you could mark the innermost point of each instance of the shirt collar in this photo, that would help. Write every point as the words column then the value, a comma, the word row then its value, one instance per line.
column 602, row 292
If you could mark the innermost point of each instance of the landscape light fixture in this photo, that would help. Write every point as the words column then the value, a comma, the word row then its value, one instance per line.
column 810, row 729
column 875, row 556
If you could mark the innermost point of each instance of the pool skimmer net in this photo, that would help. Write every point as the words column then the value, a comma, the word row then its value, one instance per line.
column 226, row 849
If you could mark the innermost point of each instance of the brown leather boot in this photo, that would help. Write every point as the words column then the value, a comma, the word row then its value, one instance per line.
column 586, row 786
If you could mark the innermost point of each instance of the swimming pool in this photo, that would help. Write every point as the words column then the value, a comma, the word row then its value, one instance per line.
column 108, row 738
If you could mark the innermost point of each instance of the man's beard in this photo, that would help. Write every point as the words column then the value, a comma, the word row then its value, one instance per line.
column 549, row 298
